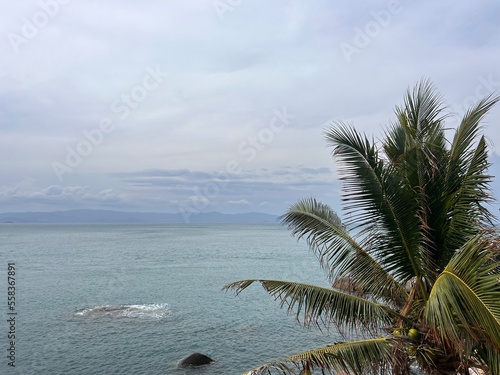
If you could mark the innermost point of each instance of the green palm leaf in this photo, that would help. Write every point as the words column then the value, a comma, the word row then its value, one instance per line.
column 489, row 360
column 374, row 356
column 467, row 183
column 464, row 301
column 423, row 108
column 468, row 130
column 377, row 200
column 338, row 252
column 465, row 210
column 314, row 305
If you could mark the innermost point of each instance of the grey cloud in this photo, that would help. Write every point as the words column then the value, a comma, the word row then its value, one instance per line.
column 223, row 79
column 56, row 195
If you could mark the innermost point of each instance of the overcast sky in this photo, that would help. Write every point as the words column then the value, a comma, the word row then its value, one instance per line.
column 218, row 105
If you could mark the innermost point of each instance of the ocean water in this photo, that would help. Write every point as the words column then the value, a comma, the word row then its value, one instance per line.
column 136, row 299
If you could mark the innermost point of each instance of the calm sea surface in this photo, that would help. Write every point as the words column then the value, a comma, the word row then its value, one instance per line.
column 135, row 299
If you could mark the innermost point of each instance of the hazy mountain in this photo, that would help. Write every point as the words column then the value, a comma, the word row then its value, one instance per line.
column 104, row 216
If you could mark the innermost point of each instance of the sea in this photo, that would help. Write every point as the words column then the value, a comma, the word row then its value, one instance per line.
column 138, row 298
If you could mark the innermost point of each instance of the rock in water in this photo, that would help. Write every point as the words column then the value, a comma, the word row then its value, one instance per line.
column 195, row 359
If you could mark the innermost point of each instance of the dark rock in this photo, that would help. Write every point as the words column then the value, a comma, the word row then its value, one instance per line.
column 195, row 359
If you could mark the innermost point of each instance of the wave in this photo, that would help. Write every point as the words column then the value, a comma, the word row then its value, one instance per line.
column 148, row 311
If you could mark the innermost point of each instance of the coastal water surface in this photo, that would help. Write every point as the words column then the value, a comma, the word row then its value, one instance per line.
column 135, row 299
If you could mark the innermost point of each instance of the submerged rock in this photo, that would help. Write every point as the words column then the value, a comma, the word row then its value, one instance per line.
column 195, row 359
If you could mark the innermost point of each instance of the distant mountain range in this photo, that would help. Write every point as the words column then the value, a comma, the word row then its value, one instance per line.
column 105, row 216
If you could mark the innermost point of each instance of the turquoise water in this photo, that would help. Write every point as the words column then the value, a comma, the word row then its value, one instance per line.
column 135, row 299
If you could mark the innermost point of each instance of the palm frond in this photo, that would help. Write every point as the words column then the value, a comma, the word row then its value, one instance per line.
column 467, row 181
column 488, row 359
column 463, row 303
column 423, row 106
column 360, row 171
column 316, row 305
column 467, row 213
column 374, row 356
column 415, row 145
column 468, row 130
column 339, row 253
column 376, row 200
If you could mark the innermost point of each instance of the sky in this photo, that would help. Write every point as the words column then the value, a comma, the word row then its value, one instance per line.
column 219, row 105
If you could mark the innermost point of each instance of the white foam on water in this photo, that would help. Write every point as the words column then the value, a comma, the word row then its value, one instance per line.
column 146, row 311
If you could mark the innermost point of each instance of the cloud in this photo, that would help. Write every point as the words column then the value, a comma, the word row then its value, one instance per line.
column 224, row 77
column 239, row 202
column 53, row 190
column 55, row 196
column 178, row 189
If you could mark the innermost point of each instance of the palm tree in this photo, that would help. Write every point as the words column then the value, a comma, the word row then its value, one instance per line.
column 415, row 269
